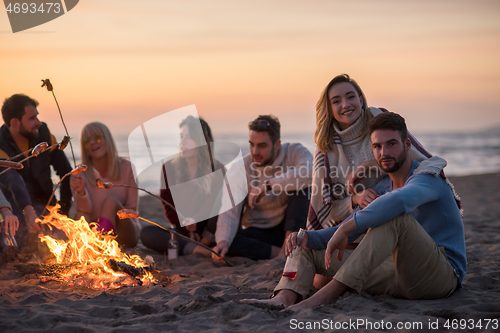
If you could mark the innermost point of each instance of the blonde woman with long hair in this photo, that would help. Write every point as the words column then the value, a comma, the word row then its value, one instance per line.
column 99, row 153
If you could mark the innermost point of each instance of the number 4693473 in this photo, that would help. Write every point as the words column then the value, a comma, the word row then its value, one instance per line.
column 32, row 8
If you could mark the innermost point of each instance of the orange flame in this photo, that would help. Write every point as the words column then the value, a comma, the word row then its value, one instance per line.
column 90, row 252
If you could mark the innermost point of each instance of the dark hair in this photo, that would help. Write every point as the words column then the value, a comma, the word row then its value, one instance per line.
column 389, row 121
column 13, row 107
column 267, row 123
column 205, row 162
column 192, row 123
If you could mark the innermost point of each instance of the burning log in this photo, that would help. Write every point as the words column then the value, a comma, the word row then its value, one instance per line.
column 120, row 266
column 95, row 258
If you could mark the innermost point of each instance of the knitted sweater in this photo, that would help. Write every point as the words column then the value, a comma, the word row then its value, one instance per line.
column 290, row 171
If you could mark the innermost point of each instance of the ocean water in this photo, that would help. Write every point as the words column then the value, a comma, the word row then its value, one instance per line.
column 466, row 153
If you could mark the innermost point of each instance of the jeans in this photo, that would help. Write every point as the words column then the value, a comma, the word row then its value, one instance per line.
column 256, row 243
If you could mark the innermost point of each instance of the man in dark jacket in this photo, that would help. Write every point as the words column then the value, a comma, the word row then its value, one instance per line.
column 29, row 189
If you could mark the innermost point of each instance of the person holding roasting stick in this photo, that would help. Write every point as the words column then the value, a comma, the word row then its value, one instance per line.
column 99, row 154
column 29, row 188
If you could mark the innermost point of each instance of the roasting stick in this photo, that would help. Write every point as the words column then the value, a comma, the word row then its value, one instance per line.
column 128, row 213
column 74, row 172
column 63, row 144
column 46, row 83
column 35, row 151
column 101, row 184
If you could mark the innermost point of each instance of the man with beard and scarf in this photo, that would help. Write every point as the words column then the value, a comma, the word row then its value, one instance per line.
column 29, row 189
column 414, row 245
column 278, row 177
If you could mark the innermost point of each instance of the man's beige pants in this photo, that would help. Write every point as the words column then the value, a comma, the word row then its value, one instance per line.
column 397, row 258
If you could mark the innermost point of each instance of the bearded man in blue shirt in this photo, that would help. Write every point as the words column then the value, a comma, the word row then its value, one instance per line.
column 414, row 245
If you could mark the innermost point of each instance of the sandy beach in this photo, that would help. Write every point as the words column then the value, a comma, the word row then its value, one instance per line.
column 204, row 296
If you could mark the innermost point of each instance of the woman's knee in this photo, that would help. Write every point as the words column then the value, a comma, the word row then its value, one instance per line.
column 110, row 202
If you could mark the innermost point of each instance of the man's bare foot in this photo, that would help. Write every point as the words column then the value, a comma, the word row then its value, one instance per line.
column 325, row 295
column 305, row 304
column 284, row 297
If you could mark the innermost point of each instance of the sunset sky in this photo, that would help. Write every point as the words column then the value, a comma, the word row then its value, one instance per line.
column 124, row 62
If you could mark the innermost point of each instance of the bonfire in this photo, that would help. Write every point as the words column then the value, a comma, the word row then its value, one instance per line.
column 89, row 258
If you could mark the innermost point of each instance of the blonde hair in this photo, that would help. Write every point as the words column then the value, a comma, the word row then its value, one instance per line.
column 323, row 136
column 204, row 156
column 113, row 160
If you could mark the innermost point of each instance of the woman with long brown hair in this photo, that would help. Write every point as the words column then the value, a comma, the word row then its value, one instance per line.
column 193, row 168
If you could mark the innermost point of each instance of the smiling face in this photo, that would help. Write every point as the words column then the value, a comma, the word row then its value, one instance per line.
column 262, row 149
column 96, row 146
column 29, row 124
column 187, row 144
column 346, row 104
column 389, row 150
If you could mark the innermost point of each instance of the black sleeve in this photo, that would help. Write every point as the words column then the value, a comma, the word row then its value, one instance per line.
column 12, row 182
column 61, row 165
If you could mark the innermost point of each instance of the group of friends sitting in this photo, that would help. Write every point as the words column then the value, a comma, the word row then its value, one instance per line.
column 380, row 215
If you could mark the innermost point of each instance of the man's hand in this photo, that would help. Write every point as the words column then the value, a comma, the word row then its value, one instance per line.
column 190, row 224
column 77, row 184
column 30, row 217
column 364, row 198
column 256, row 193
column 221, row 248
column 337, row 242
column 291, row 243
column 11, row 222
